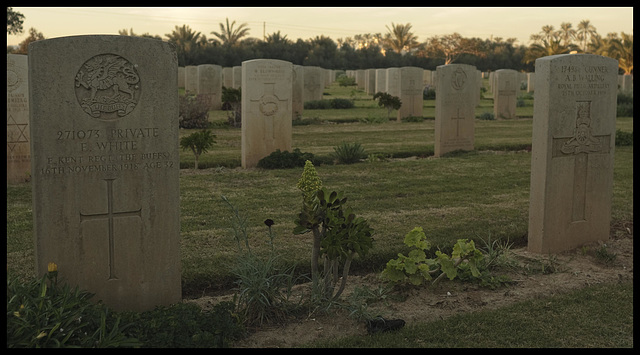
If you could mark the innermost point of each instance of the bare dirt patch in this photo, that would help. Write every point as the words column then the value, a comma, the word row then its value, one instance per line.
column 562, row 273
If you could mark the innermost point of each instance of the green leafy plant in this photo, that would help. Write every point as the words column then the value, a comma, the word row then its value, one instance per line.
column 186, row 325
column 429, row 93
column 193, row 111
column 349, row 153
column 328, row 104
column 264, row 283
column 232, row 102
column 624, row 107
column 43, row 314
column 344, row 80
column 623, row 138
column 387, row 101
column 487, row 116
column 338, row 235
column 416, row 267
column 199, row 142
column 284, row 160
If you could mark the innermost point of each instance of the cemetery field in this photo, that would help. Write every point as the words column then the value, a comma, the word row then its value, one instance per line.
column 481, row 195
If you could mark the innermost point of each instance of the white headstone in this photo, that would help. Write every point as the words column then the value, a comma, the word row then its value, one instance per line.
column 210, row 84
column 455, row 108
column 18, row 146
column 266, row 108
column 505, row 93
column 573, row 141
column 411, row 92
column 105, row 166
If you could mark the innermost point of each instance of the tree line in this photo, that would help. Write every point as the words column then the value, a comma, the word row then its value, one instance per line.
column 399, row 47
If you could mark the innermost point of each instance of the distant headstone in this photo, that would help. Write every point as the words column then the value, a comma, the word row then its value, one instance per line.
column 531, row 82
column 504, row 94
column 426, row 77
column 18, row 147
column 573, row 141
column 455, row 108
column 393, row 81
column 297, row 102
column 181, row 74
column 313, row 83
column 227, row 77
column 191, row 79
column 411, row 91
column 210, row 84
column 381, row 80
column 105, row 166
column 266, row 108
column 237, row 76
column 370, row 81
column 627, row 84
column 360, row 79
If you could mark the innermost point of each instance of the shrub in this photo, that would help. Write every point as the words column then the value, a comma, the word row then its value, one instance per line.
column 412, row 119
column 387, row 101
column 624, row 138
column 625, row 105
column 488, row 116
column 346, row 153
column 328, row 104
column 231, row 101
column 429, row 93
column 284, row 160
column 199, row 142
column 193, row 111
column 344, row 80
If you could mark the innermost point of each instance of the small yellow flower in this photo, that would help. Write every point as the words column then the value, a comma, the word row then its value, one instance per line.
column 52, row 267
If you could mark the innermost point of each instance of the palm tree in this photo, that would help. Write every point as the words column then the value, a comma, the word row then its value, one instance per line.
column 187, row 43
column 622, row 50
column 276, row 37
column 566, row 33
column 545, row 48
column 584, row 32
column 401, row 38
column 548, row 33
column 230, row 36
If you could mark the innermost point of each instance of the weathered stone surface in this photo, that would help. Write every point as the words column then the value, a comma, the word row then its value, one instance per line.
column 266, row 108
column 18, row 146
column 505, row 93
column 573, row 143
column 105, row 166
column 455, row 108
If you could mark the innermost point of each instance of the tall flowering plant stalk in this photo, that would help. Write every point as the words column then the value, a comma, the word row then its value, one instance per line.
column 338, row 235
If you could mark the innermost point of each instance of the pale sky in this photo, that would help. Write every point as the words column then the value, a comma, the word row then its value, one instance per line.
column 333, row 22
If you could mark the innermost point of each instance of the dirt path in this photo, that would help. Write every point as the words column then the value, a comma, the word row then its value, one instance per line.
column 564, row 272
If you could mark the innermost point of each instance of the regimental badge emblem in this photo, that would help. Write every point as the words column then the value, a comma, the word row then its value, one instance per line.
column 107, row 86
column 458, row 79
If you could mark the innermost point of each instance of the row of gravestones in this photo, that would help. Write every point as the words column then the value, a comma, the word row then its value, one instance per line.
column 207, row 80
column 105, row 165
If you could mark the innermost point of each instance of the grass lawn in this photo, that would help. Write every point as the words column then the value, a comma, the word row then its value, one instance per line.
column 479, row 194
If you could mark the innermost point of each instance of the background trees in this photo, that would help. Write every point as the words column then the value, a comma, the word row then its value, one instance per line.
column 398, row 47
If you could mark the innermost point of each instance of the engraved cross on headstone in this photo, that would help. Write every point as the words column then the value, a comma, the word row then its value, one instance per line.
column 268, row 105
column 507, row 92
column 110, row 216
column 580, row 146
column 457, row 119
